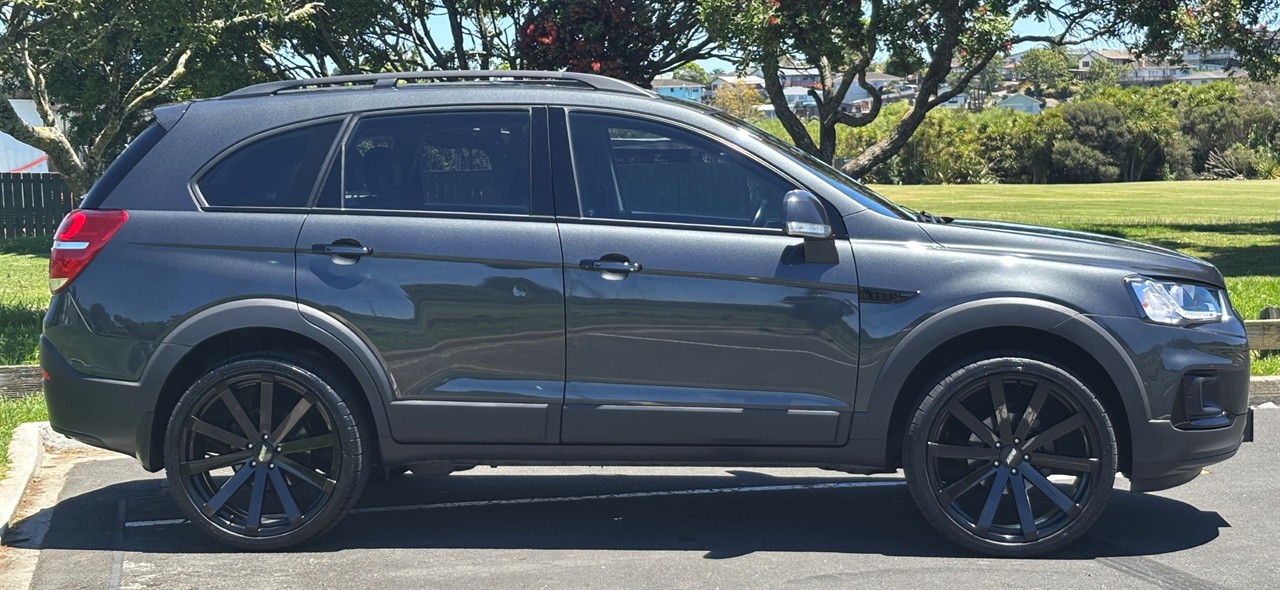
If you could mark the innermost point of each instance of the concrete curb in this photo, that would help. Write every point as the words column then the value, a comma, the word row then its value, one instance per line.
column 25, row 452
column 1263, row 390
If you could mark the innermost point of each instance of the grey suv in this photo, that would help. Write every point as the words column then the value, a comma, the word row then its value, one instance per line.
column 278, row 293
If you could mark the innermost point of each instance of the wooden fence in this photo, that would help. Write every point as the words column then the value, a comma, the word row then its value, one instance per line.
column 32, row 204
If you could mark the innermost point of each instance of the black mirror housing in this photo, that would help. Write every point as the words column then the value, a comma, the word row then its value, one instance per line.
column 805, row 216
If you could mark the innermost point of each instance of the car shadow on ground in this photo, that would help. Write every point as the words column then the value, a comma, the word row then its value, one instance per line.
column 847, row 520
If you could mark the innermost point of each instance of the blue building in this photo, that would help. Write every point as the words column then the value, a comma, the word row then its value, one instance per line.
column 679, row 89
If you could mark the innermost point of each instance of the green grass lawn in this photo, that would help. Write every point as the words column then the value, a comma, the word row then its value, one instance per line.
column 24, row 297
column 12, row 413
column 1233, row 224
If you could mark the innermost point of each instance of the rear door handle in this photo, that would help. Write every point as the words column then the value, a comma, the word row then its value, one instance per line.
column 343, row 250
column 611, row 266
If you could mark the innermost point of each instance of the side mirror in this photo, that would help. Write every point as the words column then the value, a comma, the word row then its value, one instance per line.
column 805, row 216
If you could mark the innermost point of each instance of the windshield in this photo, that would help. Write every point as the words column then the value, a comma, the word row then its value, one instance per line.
column 846, row 184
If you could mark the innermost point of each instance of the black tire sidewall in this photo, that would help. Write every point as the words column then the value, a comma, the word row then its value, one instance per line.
column 352, row 471
column 917, row 470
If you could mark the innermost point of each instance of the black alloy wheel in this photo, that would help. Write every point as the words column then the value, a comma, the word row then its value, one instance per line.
column 1011, row 457
column 263, row 453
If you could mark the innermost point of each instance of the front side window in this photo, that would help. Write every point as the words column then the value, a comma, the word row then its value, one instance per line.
column 469, row 162
column 276, row 171
column 647, row 171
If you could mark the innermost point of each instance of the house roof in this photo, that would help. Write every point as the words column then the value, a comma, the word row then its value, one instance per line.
column 750, row 80
column 674, row 83
column 1113, row 54
column 1214, row 75
column 879, row 76
column 1019, row 98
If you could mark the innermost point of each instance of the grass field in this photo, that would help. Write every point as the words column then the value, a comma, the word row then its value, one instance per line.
column 1233, row 224
column 12, row 413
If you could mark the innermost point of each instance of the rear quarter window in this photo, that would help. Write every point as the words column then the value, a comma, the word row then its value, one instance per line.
column 278, row 170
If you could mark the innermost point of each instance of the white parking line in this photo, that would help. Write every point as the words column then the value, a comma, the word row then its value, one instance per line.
column 618, row 496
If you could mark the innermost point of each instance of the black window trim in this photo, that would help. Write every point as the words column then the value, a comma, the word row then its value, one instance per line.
column 193, row 184
column 540, row 207
column 837, row 223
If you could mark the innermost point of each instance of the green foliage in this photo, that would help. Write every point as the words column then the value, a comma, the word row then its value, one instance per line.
column 691, row 72
column 12, row 413
column 1174, row 132
column 24, row 297
column 1044, row 68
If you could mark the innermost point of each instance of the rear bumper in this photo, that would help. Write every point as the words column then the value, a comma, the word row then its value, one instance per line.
column 105, row 413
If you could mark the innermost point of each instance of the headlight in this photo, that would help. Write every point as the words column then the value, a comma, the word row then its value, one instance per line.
column 1177, row 304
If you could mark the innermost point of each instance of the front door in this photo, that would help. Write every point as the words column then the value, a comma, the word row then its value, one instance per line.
column 692, row 319
column 433, row 240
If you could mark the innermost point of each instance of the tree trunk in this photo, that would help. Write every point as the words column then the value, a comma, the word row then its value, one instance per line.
column 794, row 126
column 890, row 145
column 459, row 41
column 51, row 141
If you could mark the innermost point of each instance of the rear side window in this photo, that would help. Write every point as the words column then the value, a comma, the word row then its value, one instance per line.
column 279, row 170
column 468, row 162
column 122, row 166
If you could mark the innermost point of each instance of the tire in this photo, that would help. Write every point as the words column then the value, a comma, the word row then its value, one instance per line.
column 265, row 482
column 957, row 451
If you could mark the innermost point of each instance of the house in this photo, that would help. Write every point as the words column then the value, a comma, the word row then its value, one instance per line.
column 684, row 89
column 1201, row 78
column 756, row 81
column 16, row 156
column 793, row 72
column 959, row 101
column 1117, row 57
column 1021, row 102
column 875, row 79
column 1146, row 72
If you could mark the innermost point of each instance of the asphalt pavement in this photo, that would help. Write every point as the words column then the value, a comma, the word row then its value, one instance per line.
column 115, row 526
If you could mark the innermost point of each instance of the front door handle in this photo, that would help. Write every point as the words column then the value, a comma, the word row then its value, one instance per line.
column 343, row 250
column 611, row 266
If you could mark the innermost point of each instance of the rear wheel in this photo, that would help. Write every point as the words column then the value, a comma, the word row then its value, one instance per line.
column 264, row 453
column 1010, row 457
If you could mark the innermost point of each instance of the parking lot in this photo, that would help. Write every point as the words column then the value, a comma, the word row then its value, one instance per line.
column 114, row 526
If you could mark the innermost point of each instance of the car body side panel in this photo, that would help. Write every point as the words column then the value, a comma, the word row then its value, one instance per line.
column 160, row 269
column 722, row 338
column 466, row 315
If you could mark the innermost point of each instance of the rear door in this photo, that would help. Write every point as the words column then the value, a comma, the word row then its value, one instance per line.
column 433, row 239
column 692, row 319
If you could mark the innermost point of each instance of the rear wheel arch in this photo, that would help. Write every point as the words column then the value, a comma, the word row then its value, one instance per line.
column 263, row 325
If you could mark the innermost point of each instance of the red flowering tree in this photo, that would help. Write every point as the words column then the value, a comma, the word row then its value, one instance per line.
column 630, row 40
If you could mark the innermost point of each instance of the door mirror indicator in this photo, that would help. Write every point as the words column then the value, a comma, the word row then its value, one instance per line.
column 805, row 216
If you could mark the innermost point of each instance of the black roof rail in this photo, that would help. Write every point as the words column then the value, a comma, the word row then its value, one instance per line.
column 381, row 80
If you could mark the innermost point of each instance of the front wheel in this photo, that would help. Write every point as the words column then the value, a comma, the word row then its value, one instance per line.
column 263, row 453
column 1011, row 457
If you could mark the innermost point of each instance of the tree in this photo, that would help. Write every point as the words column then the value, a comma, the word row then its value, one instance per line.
column 102, row 64
column 737, row 99
column 691, row 72
column 1096, row 142
column 841, row 39
column 634, row 40
column 401, row 35
column 1044, row 68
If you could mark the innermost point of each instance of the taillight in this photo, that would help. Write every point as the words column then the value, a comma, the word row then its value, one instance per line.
column 81, row 235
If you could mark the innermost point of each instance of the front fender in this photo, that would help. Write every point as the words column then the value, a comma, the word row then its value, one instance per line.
column 880, row 386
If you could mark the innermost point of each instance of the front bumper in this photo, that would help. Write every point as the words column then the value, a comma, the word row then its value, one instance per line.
column 1166, row 449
